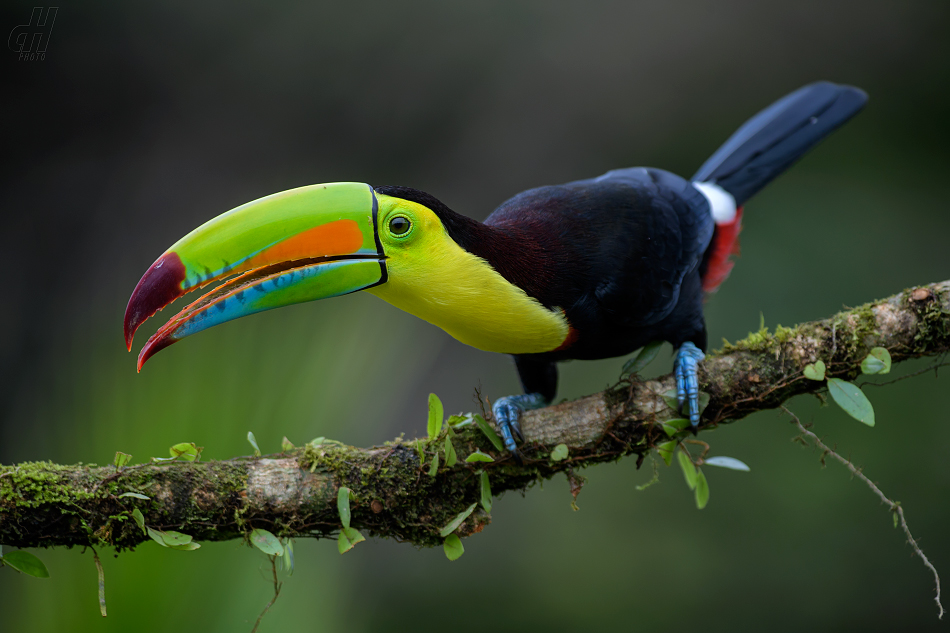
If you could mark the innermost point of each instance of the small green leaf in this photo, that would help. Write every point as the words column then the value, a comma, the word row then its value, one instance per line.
column 156, row 536
column 878, row 361
column 139, row 519
column 253, row 442
column 702, row 490
column 174, row 539
column 434, row 468
column 479, row 456
column 689, row 471
column 459, row 420
column 317, row 441
column 354, row 535
column 453, row 547
column 486, row 492
column 457, row 521
column 266, row 542
column 134, row 495
column 895, row 518
column 121, row 459
column 815, row 371
column 559, row 453
column 852, row 400
column 26, row 563
column 343, row 497
column 451, row 458
column 187, row 547
column 436, row 415
column 727, row 462
column 286, row 445
column 342, row 543
column 489, row 432
column 674, row 426
column 289, row 556
column 186, row 451
column 348, row 539
column 666, row 451
column 644, row 358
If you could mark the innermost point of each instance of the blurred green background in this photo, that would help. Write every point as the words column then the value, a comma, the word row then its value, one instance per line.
column 145, row 120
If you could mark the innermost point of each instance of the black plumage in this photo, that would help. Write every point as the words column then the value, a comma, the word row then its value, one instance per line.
column 624, row 254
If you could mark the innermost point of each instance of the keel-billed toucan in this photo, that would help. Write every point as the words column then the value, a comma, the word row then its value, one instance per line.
column 590, row 269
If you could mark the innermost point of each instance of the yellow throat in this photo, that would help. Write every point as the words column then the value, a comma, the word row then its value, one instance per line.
column 438, row 281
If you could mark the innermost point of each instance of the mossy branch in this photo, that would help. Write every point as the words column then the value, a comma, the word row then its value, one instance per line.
column 294, row 494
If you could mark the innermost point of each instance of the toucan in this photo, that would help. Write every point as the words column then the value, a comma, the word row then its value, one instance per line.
column 590, row 269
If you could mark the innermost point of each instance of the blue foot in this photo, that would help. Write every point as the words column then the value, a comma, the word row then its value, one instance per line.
column 507, row 411
column 687, row 384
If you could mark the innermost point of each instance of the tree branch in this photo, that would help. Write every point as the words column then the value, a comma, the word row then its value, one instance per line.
column 294, row 494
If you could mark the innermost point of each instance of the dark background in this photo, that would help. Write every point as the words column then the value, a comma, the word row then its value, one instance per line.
column 145, row 120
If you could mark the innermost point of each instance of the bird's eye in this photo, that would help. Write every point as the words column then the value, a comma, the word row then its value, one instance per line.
column 399, row 225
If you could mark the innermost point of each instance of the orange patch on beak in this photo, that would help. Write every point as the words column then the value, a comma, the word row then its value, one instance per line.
column 341, row 237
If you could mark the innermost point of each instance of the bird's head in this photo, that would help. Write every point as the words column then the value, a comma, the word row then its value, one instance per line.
column 299, row 245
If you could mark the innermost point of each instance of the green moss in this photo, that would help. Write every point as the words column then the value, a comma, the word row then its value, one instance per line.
column 34, row 484
column 933, row 326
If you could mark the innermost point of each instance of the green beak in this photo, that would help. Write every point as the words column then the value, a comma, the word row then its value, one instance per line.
column 299, row 245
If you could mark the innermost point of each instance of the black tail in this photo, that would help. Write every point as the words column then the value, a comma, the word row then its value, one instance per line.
column 776, row 137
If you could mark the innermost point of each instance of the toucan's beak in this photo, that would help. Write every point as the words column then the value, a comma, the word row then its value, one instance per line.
column 299, row 245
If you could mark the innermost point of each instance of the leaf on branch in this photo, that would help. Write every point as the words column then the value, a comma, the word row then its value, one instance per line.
column 489, row 432
column 266, row 542
column 288, row 555
column 674, row 426
column 459, row 420
column 702, row 490
column 878, row 361
column 134, row 495
column 436, row 415
column 451, row 458
column 286, row 445
column 453, row 547
column 727, row 462
column 186, row 451
column 121, row 459
column 253, row 442
column 139, row 519
column 26, row 563
column 644, row 358
column 486, row 491
column 665, row 450
column 343, row 497
column 174, row 539
column 559, row 453
column 689, row 470
column 815, row 371
column 479, row 456
column 434, row 468
column 852, row 400
column 457, row 521
column 348, row 539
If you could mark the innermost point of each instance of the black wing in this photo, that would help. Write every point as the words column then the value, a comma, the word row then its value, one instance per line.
column 621, row 244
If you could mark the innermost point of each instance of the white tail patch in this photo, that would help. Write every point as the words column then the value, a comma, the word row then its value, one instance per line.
column 721, row 202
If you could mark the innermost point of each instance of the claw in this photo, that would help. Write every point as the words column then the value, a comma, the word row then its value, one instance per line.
column 507, row 412
column 685, row 365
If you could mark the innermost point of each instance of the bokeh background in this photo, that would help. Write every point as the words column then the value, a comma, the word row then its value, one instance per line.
column 146, row 119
